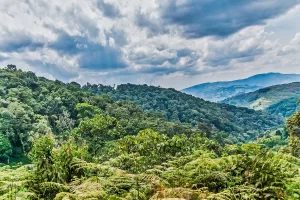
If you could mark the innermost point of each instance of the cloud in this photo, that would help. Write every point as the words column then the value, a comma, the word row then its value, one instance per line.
column 97, row 57
column 109, row 10
column 243, row 46
column 220, row 18
column 56, row 72
column 90, row 55
column 66, row 44
column 292, row 48
column 152, row 25
column 296, row 39
column 287, row 50
column 163, row 59
column 149, row 41
column 2, row 58
column 119, row 36
column 19, row 41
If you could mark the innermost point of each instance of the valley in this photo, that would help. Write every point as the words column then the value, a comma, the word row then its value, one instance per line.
column 67, row 141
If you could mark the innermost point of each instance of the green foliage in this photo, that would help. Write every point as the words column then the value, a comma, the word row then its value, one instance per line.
column 5, row 148
column 263, row 173
column 273, row 140
column 278, row 99
column 97, row 131
column 157, row 166
column 284, row 108
column 149, row 148
column 293, row 125
column 54, row 166
column 86, row 146
column 13, row 183
column 32, row 106
column 11, row 67
column 244, row 124
column 15, row 123
column 41, row 156
column 86, row 111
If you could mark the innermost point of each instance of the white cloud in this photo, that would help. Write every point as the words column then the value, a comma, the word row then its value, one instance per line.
column 296, row 39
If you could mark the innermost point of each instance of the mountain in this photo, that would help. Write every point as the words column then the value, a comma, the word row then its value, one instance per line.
column 278, row 99
column 137, row 142
column 239, row 123
column 218, row 91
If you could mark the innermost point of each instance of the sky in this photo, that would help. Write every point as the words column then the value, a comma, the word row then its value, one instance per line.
column 170, row 43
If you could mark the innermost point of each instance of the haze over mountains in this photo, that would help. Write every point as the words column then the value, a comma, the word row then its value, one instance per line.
column 218, row 91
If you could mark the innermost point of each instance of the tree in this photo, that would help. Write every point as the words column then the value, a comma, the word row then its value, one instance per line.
column 54, row 165
column 11, row 67
column 86, row 111
column 63, row 160
column 40, row 128
column 203, row 127
column 15, row 123
column 293, row 126
column 5, row 148
column 64, row 124
column 41, row 156
column 97, row 131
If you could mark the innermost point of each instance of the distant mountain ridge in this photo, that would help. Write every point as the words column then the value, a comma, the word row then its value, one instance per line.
column 219, row 91
column 278, row 99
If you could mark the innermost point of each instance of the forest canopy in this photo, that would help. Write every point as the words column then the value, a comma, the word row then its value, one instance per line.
column 62, row 141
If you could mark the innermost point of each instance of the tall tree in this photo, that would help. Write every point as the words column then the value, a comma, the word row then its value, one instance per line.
column 293, row 125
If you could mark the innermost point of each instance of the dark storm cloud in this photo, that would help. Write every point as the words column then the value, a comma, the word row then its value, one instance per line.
column 221, row 18
column 92, row 55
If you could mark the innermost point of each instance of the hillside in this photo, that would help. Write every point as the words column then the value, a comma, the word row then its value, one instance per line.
column 218, row 91
column 279, row 99
column 180, row 107
column 29, row 103
column 62, row 142
column 31, row 106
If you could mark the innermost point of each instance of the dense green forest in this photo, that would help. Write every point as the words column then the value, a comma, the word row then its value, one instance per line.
column 60, row 141
column 278, row 99
column 242, row 123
